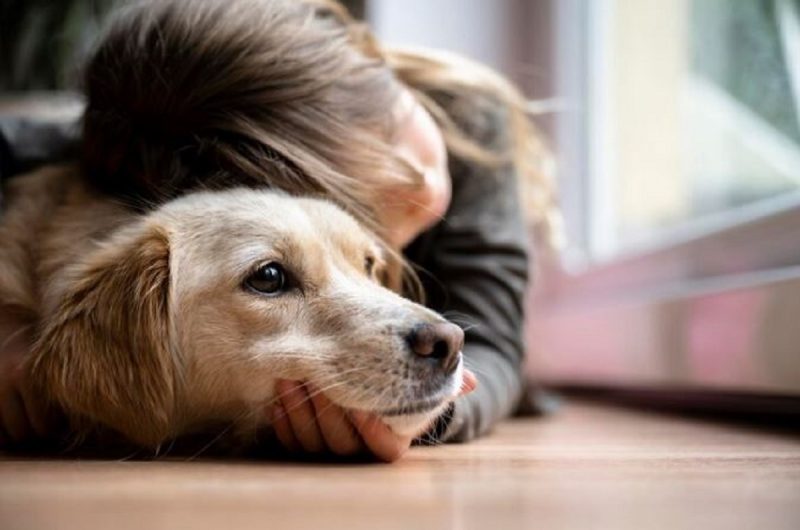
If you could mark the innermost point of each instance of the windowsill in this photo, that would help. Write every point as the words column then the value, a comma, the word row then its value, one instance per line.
column 717, row 312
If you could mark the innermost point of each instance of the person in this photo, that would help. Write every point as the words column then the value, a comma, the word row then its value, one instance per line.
column 433, row 154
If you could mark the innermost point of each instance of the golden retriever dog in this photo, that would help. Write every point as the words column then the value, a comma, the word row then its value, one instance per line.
column 159, row 324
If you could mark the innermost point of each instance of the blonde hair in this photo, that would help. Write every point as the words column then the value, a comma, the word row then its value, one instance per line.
column 284, row 93
column 427, row 72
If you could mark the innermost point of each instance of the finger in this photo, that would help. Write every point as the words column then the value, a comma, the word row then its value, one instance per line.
column 469, row 382
column 302, row 417
column 338, row 431
column 283, row 429
column 379, row 438
column 14, row 419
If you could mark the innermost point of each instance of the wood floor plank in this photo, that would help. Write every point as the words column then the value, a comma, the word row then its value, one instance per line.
column 590, row 466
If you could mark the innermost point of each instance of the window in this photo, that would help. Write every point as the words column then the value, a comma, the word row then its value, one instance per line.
column 679, row 145
column 692, row 118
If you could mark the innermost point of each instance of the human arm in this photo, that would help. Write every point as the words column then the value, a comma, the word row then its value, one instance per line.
column 476, row 271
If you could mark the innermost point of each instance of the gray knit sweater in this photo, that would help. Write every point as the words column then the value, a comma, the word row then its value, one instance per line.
column 475, row 271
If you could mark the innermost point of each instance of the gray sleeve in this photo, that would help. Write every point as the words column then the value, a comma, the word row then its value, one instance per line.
column 484, row 251
column 477, row 273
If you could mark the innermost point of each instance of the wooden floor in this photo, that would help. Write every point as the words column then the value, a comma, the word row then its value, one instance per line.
column 590, row 466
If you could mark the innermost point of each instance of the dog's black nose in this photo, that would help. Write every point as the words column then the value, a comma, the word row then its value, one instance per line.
column 442, row 342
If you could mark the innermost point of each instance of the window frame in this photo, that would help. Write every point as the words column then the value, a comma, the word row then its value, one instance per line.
column 705, row 262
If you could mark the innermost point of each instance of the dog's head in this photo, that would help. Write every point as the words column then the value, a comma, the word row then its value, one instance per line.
column 189, row 316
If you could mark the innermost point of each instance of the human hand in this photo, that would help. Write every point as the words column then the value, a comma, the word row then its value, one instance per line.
column 306, row 421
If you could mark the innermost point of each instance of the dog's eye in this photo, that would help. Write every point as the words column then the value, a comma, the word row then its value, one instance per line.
column 369, row 265
column 268, row 279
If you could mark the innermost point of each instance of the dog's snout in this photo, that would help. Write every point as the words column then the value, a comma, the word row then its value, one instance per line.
column 441, row 342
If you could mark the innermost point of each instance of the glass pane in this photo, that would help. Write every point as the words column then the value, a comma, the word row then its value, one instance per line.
column 703, row 118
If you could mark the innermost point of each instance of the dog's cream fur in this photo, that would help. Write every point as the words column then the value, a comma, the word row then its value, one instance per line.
column 144, row 324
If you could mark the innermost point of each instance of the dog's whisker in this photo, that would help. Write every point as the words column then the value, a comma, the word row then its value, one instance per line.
column 433, row 438
column 377, row 401
column 321, row 385
column 317, row 392
column 308, row 398
column 291, row 356
column 214, row 440
column 464, row 321
column 170, row 447
column 473, row 368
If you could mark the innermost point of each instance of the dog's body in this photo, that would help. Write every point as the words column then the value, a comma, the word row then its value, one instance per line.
column 157, row 325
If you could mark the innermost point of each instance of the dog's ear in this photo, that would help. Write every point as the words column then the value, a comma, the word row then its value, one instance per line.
column 104, row 357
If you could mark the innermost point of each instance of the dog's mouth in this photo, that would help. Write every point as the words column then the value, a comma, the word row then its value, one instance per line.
column 411, row 408
column 426, row 403
column 413, row 418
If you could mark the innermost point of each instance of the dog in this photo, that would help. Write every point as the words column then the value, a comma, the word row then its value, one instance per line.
column 157, row 325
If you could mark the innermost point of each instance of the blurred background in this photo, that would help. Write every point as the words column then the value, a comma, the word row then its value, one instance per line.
column 675, row 127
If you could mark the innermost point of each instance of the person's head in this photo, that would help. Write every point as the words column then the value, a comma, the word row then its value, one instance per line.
column 284, row 93
column 187, row 94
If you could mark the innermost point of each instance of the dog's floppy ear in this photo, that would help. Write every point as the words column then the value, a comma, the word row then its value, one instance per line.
column 104, row 357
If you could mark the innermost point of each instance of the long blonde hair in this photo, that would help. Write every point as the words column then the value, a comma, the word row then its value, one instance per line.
column 283, row 93
column 426, row 72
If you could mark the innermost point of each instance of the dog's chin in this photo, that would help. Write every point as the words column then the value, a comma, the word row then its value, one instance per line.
column 413, row 425
column 414, row 421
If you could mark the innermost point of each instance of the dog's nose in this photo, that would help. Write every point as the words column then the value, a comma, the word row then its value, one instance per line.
column 442, row 342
